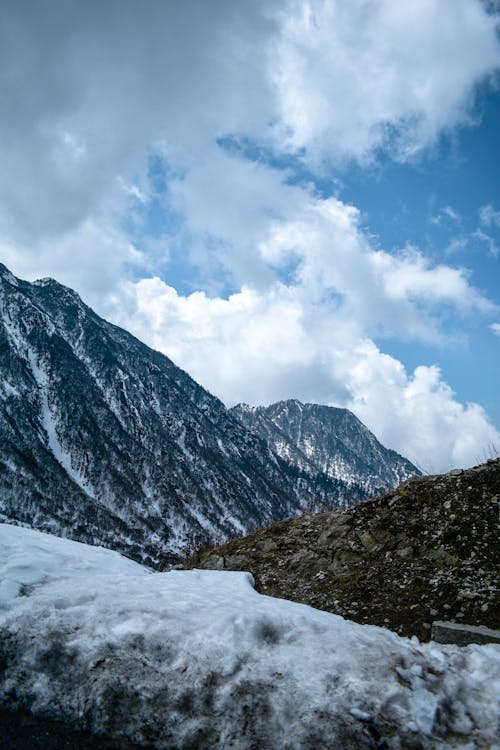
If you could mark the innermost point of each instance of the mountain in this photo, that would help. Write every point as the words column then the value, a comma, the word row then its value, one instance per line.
column 425, row 551
column 329, row 441
column 106, row 441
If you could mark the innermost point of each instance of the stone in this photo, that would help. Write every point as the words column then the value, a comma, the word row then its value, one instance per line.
column 405, row 553
column 373, row 540
column 266, row 545
column 461, row 634
column 214, row 562
column 236, row 562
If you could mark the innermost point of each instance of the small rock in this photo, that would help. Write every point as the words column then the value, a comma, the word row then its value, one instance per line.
column 405, row 553
column 214, row 562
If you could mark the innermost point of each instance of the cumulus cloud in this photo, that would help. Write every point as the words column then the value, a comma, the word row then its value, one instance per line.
column 420, row 411
column 495, row 327
column 360, row 68
column 94, row 90
column 310, row 337
column 90, row 258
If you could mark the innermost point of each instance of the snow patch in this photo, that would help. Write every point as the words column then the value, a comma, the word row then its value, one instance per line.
column 9, row 390
column 174, row 659
column 50, row 427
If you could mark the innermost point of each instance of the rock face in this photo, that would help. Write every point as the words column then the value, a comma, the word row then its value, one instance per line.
column 463, row 635
column 106, row 441
column 426, row 551
column 329, row 441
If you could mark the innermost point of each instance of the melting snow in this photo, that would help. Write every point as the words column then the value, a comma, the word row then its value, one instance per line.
column 174, row 659
column 50, row 428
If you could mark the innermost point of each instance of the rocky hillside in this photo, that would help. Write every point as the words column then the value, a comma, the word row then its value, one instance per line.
column 106, row 441
column 328, row 440
column 425, row 551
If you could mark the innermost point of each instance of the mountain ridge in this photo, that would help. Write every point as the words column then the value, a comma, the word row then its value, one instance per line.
column 107, row 441
column 327, row 439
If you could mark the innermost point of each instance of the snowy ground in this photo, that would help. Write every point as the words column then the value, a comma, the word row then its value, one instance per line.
column 198, row 659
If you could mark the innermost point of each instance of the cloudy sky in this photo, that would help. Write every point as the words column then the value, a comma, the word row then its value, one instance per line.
column 289, row 198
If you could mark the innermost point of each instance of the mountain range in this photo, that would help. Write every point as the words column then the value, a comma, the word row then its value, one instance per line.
column 107, row 441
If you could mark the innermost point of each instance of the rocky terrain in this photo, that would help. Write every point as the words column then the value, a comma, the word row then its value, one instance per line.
column 317, row 438
column 425, row 551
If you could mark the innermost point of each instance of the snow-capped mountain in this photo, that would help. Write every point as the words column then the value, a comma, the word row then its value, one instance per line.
column 328, row 440
column 106, row 441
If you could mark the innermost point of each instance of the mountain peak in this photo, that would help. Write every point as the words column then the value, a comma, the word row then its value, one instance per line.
column 46, row 281
column 328, row 440
column 6, row 275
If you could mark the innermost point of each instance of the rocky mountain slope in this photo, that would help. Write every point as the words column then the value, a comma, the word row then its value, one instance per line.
column 328, row 440
column 425, row 551
column 106, row 441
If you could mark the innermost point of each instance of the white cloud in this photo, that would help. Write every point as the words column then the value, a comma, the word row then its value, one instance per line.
column 489, row 216
column 447, row 213
column 356, row 76
column 263, row 346
column 457, row 245
column 419, row 411
column 488, row 240
column 90, row 259
column 106, row 85
column 384, row 293
column 495, row 327
column 310, row 337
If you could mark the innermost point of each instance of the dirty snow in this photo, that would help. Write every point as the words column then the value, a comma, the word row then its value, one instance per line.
column 198, row 659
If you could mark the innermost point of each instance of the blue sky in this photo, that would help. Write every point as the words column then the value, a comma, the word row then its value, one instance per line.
column 296, row 198
column 435, row 204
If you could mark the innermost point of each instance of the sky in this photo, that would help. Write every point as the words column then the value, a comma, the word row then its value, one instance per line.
column 291, row 199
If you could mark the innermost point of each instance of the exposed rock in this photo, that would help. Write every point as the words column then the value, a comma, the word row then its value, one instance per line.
column 462, row 635
column 325, row 439
column 428, row 550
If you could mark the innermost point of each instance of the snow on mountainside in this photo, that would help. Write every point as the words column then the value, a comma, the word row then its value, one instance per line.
column 198, row 659
column 106, row 441
column 328, row 440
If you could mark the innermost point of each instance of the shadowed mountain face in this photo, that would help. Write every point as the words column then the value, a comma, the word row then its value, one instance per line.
column 327, row 440
column 425, row 551
column 106, row 441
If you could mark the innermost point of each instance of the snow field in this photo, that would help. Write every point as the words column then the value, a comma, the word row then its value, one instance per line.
column 198, row 659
